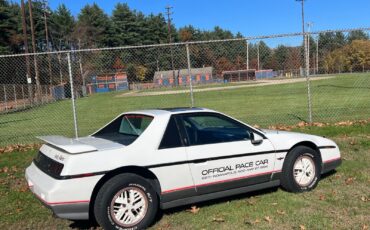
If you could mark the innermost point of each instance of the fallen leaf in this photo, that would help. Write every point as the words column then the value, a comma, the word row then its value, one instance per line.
column 274, row 204
column 364, row 198
column 302, row 227
column 268, row 219
column 218, row 219
column 5, row 169
column 322, row 197
column 251, row 202
column 349, row 180
column 365, row 227
column 248, row 222
column 194, row 209
column 280, row 212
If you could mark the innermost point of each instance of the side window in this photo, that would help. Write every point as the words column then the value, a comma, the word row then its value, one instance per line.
column 213, row 128
column 171, row 137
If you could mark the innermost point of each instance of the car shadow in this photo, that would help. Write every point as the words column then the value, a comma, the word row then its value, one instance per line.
column 328, row 174
column 215, row 201
column 84, row 224
column 343, row 87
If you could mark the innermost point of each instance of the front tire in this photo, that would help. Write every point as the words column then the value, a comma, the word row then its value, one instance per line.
column 126, row 201
column 301, row 170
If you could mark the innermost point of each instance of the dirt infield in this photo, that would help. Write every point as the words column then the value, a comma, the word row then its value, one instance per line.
column 256, row 84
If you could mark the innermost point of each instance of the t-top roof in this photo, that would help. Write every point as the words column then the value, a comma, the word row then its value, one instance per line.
column 182, row 109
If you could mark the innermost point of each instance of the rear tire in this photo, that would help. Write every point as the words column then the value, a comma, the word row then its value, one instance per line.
column 301, row 170
column 126, row 201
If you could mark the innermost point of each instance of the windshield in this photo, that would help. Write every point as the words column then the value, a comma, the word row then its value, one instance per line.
column 125, row 129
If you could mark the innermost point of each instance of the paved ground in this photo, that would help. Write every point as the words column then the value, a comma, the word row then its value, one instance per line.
column 236, row 86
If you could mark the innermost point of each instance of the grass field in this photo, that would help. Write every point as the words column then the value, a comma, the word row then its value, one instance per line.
column 341, row 200
column 345, row 97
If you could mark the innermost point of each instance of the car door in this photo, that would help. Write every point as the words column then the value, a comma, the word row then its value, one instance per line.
column 174, row 174
column 221, row 154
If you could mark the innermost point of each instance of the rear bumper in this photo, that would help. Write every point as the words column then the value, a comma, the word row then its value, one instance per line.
column 68, row 199
column 71, row 211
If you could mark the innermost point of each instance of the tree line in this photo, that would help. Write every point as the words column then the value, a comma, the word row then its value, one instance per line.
column 94, row 28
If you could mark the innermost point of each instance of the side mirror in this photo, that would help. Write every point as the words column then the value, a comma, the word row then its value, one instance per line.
column 256, row 139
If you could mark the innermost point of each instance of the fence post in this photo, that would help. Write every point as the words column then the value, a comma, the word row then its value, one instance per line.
column 24, row 100
column 307, row 75
column 189, row 73
column 72, row 94
column 5, row 100
column 15, row 97
column 41, row 95
column 247, row 54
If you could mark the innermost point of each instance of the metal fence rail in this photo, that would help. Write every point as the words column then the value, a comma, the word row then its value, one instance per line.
column 261, row 80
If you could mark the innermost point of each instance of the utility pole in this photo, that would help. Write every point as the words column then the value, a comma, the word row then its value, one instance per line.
column 25, row 41
column 37, row 79
column 307, row 64
column 169, row 13
column 47, row 41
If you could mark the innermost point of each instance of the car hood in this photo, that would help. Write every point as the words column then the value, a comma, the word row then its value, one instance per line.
column 286, row 140
column 80, row 145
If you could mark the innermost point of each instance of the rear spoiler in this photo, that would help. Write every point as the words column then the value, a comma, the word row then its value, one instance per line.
column 69, row 145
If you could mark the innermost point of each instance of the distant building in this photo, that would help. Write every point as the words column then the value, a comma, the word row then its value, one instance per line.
column 239, row 75
column 266, row 73
column 199, row 76
column 247, row 75
column 107, row 82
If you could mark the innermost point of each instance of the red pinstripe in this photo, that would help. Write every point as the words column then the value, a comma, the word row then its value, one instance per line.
column 331, row 160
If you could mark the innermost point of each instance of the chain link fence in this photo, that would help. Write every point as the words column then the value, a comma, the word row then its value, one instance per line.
column 261, row 80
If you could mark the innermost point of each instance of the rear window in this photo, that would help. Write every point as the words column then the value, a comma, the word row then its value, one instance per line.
column 125, row 129
column 134, row 124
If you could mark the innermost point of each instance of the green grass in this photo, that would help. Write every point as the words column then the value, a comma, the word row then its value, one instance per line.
column 345, row 97
column 341, row 200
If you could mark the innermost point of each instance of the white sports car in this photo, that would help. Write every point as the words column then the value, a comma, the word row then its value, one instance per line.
column 147, row 160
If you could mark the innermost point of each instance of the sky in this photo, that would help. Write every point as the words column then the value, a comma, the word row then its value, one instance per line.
column 250, row 17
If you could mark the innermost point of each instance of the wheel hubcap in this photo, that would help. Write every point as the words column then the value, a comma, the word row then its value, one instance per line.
column 304, row 170
column 129, row 206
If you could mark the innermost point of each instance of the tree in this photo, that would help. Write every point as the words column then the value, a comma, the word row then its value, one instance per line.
column 156, row 29
column 10, row 33
column 357, row 35
column 352, row 57
column 62, row 25
column 264, row 53
column 187, row 33
column 281, row 55
column 125, row 26
column 93, row 27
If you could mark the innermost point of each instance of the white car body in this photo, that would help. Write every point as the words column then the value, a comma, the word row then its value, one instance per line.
column 181, row 175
